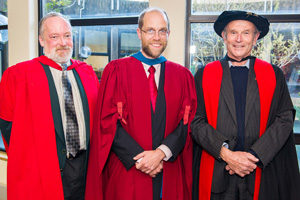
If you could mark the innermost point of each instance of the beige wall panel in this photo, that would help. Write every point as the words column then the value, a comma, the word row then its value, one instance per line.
column 22, row 30
column 3, row 176
column 176, row 10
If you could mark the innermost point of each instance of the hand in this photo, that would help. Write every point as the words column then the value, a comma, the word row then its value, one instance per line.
column 157, row 170
column 231, row 172
column 151, row 160
column 238, row 162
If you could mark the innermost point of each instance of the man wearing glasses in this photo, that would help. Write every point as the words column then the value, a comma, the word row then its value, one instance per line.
column 141, row 148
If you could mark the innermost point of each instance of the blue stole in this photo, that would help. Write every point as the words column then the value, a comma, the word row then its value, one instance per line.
column 139, row 56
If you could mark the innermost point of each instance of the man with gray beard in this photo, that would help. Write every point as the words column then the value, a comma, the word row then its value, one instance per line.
column 46, row 118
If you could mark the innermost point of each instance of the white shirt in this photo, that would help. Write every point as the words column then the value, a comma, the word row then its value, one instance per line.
column 157, row 67
column 57, row 77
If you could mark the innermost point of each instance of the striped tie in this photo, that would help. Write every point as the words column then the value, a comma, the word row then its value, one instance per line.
column 72, row 132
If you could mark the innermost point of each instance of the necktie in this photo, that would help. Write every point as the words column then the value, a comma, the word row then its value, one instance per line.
column 72, row 132
column 152, row 86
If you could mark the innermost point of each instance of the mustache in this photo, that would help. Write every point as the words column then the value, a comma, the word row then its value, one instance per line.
column 63, row 48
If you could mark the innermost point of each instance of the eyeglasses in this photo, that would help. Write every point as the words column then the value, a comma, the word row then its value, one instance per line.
column 151, row 32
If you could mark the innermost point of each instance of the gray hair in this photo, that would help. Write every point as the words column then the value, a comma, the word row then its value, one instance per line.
column 49, row 15
column 163, row 12
column 225, row 31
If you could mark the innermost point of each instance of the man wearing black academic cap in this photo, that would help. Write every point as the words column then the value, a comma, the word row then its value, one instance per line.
column 243, row 128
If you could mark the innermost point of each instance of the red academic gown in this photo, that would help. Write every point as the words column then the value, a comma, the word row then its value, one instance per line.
column 33, row 170
column 124, row 94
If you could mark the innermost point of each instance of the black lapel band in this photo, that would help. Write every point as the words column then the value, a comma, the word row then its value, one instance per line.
column 233, row 60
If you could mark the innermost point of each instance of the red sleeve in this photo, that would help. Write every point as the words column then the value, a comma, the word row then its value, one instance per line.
column 7, row 100
column 188, row 151
column 185, row 98
column 105, row 119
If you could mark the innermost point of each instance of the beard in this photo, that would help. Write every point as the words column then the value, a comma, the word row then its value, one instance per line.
column 153, row 54
column 65, row 57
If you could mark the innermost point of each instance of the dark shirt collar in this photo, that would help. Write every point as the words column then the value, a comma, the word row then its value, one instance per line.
column 231, row 59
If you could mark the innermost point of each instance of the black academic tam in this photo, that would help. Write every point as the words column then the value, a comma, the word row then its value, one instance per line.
column 261, row 23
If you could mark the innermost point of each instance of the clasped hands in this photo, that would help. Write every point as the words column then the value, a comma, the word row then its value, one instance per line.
column 238, row 162
column 150, row 162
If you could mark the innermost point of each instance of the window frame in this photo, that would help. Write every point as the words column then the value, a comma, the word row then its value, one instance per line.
column 108, row 21
column 3, row 27
column 290, row 18
column 121, row 31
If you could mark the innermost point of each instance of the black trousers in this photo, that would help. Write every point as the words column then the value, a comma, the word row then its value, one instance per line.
column 74, row 177
column 237, row 190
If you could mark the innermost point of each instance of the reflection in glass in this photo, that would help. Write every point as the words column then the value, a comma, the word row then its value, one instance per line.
column 95, row 9
column 280, row 47
column 3, row 51
column 3, row 12
column 129, row 41
column 201, row 7
column 3, row 46
column 106, row 43
column 3, row 19
column 206, row 45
